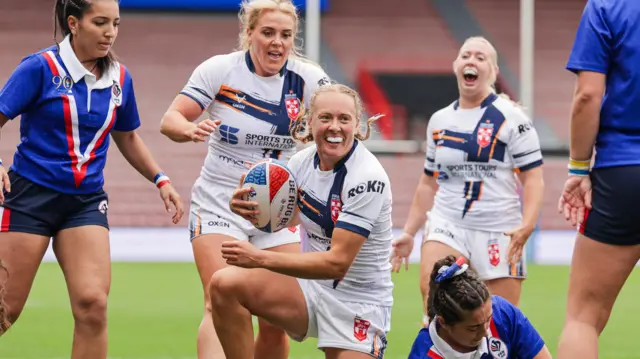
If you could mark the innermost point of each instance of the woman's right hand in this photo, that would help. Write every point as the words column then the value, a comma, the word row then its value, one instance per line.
column 6, row 183
column 241, row 205
column 203, row 130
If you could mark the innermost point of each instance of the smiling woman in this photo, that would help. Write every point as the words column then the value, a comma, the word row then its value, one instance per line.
column 339, row 289
column 70, row 97
column 252, row 97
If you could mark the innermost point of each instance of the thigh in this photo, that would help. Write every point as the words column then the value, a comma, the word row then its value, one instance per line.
column 507, row 288
column 86, row 210
column 357, row 327
column 84, row 256
column 276, row 298
column 21, row 254
column 593, row 289
column 488, row 256
column 614, row 218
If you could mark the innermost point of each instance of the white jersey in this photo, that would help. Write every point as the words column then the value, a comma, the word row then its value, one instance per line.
column 475, row 155
column 256, row 112
column 355, row 196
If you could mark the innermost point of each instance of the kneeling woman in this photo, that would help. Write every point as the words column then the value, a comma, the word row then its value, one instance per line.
column 339, row 289
column 471, row 324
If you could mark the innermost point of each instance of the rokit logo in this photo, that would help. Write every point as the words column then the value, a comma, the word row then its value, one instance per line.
column 369, row 186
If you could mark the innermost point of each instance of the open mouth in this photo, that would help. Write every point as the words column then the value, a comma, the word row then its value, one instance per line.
column 334, row 139
column 275, row 55
column 470, row 75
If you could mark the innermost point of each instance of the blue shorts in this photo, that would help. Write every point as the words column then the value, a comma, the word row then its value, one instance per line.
column 614, row 217
column 31, row 208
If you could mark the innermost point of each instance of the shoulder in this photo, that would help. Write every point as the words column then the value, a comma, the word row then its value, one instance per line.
column 309, row 71
column 38, row 59
column 364, row 168
column 505, row 314
column 513, row 113
column 221, row 64
column 441, row 115
column 301, row 159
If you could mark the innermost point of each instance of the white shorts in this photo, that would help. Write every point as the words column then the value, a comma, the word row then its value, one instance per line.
column 360, row 327
column 210, row 214
column 486, row 251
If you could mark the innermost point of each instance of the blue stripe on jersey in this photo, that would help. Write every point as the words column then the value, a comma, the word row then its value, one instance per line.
column 472, row 192
column 281, row 115
column 322, row 213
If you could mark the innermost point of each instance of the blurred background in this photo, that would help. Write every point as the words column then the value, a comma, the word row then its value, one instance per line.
column 398, row 55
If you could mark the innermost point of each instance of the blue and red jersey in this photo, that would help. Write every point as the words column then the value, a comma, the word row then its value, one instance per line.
column 67, row 115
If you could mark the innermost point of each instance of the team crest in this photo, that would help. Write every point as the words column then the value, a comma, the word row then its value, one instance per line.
column 292, row 104
column 116, row 93
column 485, row 132
column 360, row 328
column 494, row 252
column 498, row 348
column 336, row 207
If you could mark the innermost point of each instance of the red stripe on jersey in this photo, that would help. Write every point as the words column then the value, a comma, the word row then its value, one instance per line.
column 6, row 219
column 52, row 65
column 494, row 329
column 78, row 176
column 433, row 355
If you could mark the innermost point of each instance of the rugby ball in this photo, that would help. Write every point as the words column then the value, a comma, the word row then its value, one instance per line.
column 274, row 188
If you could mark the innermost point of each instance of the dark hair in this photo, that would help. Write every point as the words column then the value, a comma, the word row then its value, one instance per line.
column 77, row 8
column 453, row 297
column 4, row 310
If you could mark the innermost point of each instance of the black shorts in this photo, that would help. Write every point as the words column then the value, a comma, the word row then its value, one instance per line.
column 31, row 208
column 614, row 217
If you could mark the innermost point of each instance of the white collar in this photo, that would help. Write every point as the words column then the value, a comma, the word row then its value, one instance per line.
column 77, row 71
column 445, row 350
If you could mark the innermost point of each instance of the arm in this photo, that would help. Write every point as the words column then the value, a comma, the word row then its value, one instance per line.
column 585, row 114
column 590, row 59
column 422, row 202
column 533, row 193
column 332, row 264
column 197, row 95
column 178, row 122
column 136, row 152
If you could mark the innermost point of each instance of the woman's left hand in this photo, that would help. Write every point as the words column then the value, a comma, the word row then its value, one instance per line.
column 169, row 196
column 242, row 254
column 519, row 237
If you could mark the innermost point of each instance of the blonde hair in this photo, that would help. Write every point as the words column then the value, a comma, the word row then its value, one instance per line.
column 252, row 10
column 301, row 132
column 493, row 58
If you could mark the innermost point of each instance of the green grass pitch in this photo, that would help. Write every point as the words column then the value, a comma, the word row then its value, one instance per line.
column 155, row 309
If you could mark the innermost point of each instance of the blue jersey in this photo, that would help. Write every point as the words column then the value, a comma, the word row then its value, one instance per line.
column 607, row 41
column 510, row 336
column 67, row 116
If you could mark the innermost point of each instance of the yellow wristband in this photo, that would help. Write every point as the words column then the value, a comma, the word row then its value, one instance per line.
column 579, row 164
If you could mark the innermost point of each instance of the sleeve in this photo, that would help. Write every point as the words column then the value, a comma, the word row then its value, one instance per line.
column 314, row 80
column 593, row 42
column 523, row 144
column 363, row 201
column 127, row 116
column 23, row 87
column 430, row 160
column 525, row 341
column 205, row 81
column 421, row 345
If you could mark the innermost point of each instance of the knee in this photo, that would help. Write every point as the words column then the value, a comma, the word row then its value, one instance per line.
column 270, row 334
column 589, row 311
column 90, row 310
column 222, row 288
